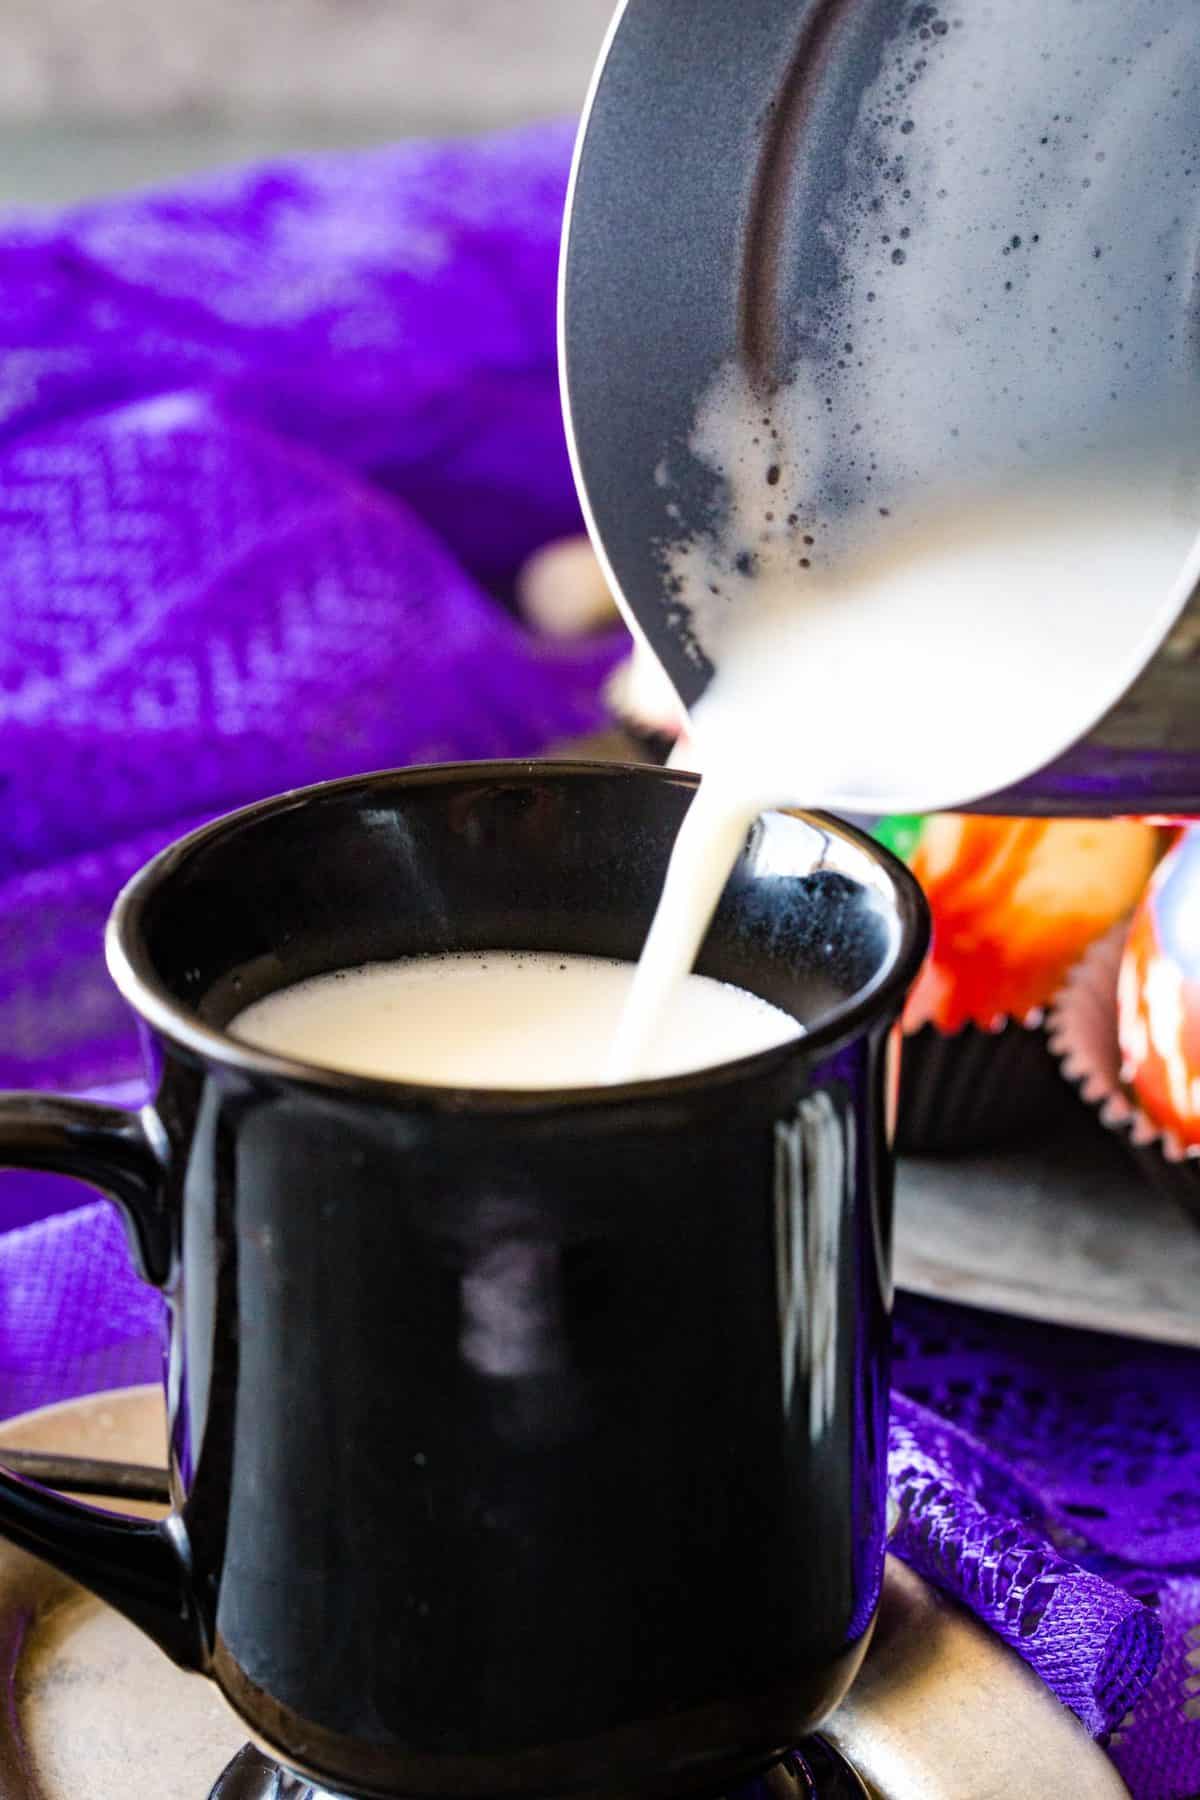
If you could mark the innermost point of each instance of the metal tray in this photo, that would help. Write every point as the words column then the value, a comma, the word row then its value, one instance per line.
column 941, row 1710
column 1066, row 1230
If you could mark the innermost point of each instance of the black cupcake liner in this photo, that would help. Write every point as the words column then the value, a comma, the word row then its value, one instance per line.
column 1082, row 1035
column 977, row 1089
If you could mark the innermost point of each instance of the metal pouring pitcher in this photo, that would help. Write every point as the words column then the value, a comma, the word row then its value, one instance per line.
column 991, row 210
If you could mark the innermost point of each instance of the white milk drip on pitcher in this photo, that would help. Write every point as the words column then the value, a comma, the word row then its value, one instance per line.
column 866, row 685
column 955, row 523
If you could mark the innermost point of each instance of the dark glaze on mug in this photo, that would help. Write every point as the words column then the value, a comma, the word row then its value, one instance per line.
column 522, row 1443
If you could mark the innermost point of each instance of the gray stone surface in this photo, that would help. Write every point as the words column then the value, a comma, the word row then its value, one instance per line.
column 99, row 96
column 417, row 60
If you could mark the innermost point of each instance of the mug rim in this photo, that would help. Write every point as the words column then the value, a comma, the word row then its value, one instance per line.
column 133, row 973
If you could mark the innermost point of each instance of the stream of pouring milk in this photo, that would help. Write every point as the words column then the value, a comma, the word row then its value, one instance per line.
column 951, row 532
column 914, row 677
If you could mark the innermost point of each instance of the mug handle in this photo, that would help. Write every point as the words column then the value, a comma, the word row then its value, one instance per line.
column 140, row 1566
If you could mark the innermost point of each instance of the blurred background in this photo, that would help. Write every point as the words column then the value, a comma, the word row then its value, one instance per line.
column 98, row 96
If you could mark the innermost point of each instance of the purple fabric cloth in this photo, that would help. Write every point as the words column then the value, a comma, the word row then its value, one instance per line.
column 260, row 446
column 1076, row 1532
column 271, row 450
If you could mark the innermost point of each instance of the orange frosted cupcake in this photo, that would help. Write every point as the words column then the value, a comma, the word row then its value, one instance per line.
column 1158, row 997
column 1127, row 1027
column 1015, row 904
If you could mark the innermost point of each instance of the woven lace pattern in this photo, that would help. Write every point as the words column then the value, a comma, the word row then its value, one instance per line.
column 1050, row 1478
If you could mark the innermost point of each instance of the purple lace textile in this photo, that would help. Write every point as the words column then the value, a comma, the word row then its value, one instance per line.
column 271, row 450
column 260, row 446
column 1076, row 1532
column 1094, row 1645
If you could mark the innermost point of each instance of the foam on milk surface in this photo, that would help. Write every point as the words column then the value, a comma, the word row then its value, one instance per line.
column 502, row 1019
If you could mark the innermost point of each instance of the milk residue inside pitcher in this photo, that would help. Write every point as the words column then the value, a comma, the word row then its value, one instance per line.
column 954, row 530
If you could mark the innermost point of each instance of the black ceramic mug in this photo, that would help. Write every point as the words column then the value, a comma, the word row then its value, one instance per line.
column 522, row 1443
